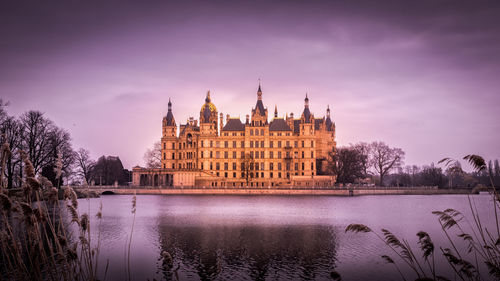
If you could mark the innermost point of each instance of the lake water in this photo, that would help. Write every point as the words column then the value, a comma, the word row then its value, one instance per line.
column 266, row 237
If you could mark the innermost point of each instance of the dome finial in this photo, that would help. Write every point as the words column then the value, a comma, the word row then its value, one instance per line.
column 207, row 99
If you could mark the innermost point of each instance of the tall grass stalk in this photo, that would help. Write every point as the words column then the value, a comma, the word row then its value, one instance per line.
column 482, row 246
column 36, row 240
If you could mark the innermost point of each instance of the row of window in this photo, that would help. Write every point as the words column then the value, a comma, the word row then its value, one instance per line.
column 255, row 144
column 254, row 166
column 251, row 155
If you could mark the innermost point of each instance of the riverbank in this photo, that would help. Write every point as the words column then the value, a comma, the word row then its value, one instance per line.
column 265, row 191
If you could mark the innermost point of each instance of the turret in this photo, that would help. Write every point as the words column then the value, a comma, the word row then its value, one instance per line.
column 169, row 125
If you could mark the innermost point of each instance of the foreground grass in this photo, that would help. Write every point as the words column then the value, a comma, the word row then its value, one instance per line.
column 483, row 244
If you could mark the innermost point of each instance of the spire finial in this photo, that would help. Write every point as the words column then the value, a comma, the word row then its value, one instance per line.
column 207, row 99
column 169, row 105
column 275, row 111
column 328, row 111
column 259, row 92
column 306, row 100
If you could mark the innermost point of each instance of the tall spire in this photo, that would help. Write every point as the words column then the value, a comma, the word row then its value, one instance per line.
column 275, row 111
column 207, row 99
column 306, row 102
column 259, row 92
column 169, row 105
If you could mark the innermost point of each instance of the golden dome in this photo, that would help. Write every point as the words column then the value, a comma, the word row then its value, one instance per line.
column 208, row 102
column 210, row 105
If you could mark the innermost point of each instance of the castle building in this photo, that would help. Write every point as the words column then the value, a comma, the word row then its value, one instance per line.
column 286, row 152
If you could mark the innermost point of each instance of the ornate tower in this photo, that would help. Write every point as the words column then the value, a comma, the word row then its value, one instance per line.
column 208, row 117
column 259, row 113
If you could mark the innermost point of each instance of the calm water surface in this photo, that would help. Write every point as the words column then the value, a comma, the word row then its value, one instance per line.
column 265, row 238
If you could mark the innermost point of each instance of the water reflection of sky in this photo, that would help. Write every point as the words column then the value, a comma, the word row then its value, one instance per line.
column 263, row 238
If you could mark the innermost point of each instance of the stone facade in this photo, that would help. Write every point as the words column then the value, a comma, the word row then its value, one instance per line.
column 257, row 153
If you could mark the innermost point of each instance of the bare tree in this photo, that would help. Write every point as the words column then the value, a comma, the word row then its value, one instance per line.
column 384, row 158
column 85, row 165
column 348, row 164
column 10, row 131
column 152, row 156
column 363, row 149
column 35, row 129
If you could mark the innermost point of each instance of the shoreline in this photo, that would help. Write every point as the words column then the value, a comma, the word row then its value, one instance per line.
column 265, row 192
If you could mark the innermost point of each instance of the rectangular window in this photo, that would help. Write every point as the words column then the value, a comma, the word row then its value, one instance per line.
column 173, row 165
column 279, row 167
column 296, row 144
column 287, row 143
column 211, row 166
column 217, row 166
column 251, row 154
column 242, row 167
column 211, row 143
column 173, row 145
column 262, row 166
column 225, row 155
column 271, row 166
column 234, row 143
column 302, row 154
column 225, row 174
column 226, row 167
column 217, row 144
column 271, row 144
column 257, row 144
column 217, row 154
column 251, row 144
column 211, row 154
column 271, row 154
column 279, row 144
column 262, row 144
column 234, row 166
column 312, row 154
column 302, row 143
column 261, row 132
column 234, row 154
column 164, row 156
column 312, row 143
column 242, row 144
column 303, row 166
column 251, row 132
column 262, row 175
column 202, row 154
column 296, row 166
column 256, row 132
column 279, row 154
column 312, row 165
column 173, row 155
column 262, row 154
column 271, row 175
column 180, row 155
column 256, row 166
column 226, row 144
column 256, row 154
column 242, row 155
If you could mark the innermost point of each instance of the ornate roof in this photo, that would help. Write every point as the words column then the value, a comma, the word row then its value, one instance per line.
column 279, row 124
column 207, row 108
column 234, row 124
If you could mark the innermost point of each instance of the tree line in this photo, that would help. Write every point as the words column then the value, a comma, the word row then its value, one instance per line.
column 47, row 145
column 378, row 164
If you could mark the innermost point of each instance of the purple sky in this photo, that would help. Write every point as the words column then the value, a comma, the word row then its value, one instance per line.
column 420, row 75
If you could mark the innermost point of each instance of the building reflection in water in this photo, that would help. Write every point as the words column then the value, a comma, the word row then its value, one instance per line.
column 247, row 252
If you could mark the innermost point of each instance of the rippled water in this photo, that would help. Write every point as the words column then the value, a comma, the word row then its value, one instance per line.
column 265, row 237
